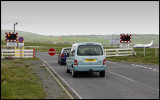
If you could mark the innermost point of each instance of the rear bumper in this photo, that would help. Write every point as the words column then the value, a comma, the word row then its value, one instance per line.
column 89, row 68
column 63, row 59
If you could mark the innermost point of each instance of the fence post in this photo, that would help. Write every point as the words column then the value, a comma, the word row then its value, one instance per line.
column 133, row 51
column 144, row 51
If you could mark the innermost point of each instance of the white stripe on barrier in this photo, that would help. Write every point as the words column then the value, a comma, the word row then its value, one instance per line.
column 12, row 53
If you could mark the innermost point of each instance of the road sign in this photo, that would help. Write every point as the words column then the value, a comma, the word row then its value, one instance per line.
column 114, row 41
column 20, row 39
column 20, row 44
column 11, row 44
column 51, row 51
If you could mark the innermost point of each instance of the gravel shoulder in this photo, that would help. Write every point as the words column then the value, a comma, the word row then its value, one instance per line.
column 51, row 87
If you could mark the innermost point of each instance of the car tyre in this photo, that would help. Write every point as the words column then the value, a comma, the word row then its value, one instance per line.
column 67, row 70
column 61, row 62
column 102, row 73
column 58, row 62
column 74, row 73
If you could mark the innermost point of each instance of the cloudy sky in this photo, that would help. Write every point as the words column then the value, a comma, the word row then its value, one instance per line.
column 81, row 17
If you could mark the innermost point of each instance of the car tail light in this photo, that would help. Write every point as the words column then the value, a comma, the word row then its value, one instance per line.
column 62, row 55
column 104, row 61
column 75, row 62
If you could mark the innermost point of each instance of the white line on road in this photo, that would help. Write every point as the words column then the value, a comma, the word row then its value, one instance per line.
column 145, row 67
column 63, row 80
column 122, row 76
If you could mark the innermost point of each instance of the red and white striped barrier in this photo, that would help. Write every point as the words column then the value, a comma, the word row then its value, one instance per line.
column 12, row 52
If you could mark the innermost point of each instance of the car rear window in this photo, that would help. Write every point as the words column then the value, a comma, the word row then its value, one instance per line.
column 89, row 50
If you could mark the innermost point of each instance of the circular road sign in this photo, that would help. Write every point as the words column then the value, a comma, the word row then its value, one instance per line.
column 21, row 39
column 51, row 51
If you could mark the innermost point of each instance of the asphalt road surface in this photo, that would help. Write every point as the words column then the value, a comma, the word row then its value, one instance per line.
column 122, row 80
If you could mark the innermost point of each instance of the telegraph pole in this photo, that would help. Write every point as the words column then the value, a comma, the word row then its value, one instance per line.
column 14, row 26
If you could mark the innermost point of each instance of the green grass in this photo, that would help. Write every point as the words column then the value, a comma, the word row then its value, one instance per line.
column 139, row 58
column 18, row 81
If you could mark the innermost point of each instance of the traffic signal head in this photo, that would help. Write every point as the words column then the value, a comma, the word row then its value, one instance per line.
column 11, row 36
column 125, row 38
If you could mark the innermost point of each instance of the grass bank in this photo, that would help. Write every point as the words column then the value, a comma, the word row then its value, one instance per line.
column 19, row 81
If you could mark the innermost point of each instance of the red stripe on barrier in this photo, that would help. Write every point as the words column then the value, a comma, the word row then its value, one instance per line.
column 16, row 33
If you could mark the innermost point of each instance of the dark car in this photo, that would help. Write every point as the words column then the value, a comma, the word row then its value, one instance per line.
column 63, row 55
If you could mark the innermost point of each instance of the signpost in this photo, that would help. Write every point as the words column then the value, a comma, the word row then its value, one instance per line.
column 20, row 45
column 51, row 51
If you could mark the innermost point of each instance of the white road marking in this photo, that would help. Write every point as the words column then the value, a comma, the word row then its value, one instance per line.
column 63, row 80
column 122, row 76
column 145, row 67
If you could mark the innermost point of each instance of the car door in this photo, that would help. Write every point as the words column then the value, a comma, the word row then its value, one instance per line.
column 70, row 59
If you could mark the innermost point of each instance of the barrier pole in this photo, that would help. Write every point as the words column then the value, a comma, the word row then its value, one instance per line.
column 33, row 52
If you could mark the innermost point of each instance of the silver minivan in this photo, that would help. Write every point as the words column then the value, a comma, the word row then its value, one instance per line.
column 86, row 56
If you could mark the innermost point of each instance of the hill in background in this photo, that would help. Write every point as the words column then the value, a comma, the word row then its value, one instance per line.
column 104, row 39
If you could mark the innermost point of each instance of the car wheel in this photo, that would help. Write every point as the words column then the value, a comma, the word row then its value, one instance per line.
column 58, row 62
column 102, row 73
column 74, row 73
column 67, row 70
column 61, row 62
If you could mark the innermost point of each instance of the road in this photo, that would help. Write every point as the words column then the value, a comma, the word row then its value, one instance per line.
column 122, row 80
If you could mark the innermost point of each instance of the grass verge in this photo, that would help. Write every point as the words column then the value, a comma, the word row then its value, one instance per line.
column 18, row 81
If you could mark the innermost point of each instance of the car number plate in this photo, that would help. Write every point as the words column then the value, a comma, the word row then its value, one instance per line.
column 90, row 60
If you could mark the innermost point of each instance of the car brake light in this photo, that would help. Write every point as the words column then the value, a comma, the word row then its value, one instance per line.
column 104, row 61
column 75, row 62
column 62, row 55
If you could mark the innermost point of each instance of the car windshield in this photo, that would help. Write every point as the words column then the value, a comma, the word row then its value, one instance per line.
column 85, row 50
column 66, row 50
